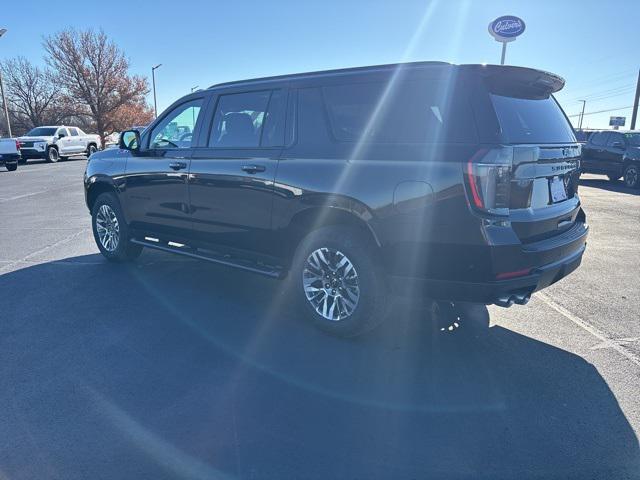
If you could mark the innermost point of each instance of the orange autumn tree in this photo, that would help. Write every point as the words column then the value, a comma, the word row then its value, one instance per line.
column 94, row 74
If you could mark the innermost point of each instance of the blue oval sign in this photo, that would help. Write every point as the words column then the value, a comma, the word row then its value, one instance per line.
column 506, row 28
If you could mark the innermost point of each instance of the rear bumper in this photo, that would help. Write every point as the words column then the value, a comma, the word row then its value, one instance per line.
column 9, row 157
column 549, row 262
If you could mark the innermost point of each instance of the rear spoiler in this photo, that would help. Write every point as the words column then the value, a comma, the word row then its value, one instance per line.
column 518, row 81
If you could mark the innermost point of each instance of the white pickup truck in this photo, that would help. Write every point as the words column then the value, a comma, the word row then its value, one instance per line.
column 58, row 142
column 9, row 153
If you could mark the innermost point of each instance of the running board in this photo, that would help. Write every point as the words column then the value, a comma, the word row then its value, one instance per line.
column 229, row 261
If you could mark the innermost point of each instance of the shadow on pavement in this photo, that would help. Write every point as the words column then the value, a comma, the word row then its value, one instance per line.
column 169, row 368
column 606, row 184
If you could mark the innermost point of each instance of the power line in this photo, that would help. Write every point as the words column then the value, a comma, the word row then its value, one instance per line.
column 601, row 111
column 601, row 93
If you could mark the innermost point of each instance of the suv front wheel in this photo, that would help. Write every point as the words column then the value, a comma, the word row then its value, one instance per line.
column 110, row 230
column 337, row 281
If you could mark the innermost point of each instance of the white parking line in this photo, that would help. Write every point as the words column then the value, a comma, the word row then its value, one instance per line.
column 6, row 268
column 606, row 340
column 22, row 196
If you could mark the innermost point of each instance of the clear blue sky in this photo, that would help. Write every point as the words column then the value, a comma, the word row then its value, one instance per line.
column 589, row 43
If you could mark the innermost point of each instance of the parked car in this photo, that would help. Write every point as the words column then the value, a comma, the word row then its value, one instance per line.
column 614, row 153
column 9, row 153
column 55, row 143
column 427, row 179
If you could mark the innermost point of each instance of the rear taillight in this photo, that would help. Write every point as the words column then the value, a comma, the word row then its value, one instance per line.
column 17, row 144
column 488, row 180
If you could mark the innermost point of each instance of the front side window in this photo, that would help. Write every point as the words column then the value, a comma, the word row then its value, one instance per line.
column 74, row 132
column 176, row 129
column 62, row 132
column 239, row 119
column 599, row 138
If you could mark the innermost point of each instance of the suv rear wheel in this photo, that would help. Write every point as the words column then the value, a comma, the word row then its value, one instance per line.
column 110, row 230
column 337, row 281
column 632, row 176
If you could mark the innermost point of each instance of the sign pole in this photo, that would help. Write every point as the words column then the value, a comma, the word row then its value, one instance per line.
column 506, row 29
column 504, row 52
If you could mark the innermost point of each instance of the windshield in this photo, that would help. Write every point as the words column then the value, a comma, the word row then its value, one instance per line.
column 633, row 139
column 41, row 132
column 528, row 120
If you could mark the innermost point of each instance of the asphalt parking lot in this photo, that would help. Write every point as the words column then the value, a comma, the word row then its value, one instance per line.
column 172, row 368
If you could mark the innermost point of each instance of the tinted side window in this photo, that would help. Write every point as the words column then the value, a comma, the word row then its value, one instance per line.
column 599, row 138
column 62, row 131
column 615, row 137
column 273, row 132
column 74, row 132
column 175, row 130
column 239, row 119
column 412, row 111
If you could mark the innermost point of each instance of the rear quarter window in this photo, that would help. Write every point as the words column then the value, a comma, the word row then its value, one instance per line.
column 531, row 120
column 416, row 111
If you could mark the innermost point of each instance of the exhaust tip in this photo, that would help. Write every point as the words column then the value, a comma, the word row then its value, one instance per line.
column 507, row 300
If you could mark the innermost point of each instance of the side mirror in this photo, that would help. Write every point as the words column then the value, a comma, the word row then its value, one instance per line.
column 61, row 135
column 129, row 140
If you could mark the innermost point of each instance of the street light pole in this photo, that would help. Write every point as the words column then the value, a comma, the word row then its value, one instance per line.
column 4, row 99
column 584, row 102
column 153, row 79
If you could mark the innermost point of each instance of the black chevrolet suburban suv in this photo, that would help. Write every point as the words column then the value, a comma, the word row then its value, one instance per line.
column 614, row 153
column 451, row 182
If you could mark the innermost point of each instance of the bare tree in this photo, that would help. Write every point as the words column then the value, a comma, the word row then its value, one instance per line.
column 33, row 96
column 95, row 74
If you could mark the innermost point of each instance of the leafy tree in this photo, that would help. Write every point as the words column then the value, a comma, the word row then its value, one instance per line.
column 33, row 96
column 94, row 73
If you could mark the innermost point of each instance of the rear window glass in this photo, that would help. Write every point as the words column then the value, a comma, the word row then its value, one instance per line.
column 408, row 112
column 528, row 120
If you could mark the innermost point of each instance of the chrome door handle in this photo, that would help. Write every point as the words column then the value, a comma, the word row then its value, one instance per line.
column 253, row 168
column 178, row 165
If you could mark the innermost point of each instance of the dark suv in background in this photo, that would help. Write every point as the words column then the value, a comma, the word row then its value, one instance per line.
column 442, row 181
column 614, row 154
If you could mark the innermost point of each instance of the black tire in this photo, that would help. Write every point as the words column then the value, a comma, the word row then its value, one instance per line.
column 370, row 308
column 91, row 148
column 631, row 175
column 124, row 250
column 12, row 167
column 22, row 161
column 613, row 178
column 53, row 155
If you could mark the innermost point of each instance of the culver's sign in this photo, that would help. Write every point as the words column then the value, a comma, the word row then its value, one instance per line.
column 506, row 28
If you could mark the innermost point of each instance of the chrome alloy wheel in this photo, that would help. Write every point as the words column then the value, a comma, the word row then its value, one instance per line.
column 631, row 176
column 108, row 228
column 331, row 284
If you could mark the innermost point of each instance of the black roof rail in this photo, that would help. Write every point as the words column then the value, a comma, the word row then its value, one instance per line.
column 388, row 66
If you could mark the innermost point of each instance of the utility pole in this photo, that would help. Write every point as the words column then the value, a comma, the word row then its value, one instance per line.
column 635, row 104
column 584, row 102
column 153, row 79
column 4, row 99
